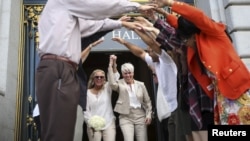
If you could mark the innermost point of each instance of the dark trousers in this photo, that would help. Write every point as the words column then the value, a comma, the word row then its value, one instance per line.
column 174, row 132
column 171, row 127
column 38, row 126
column 58, row 92
column 164, row 130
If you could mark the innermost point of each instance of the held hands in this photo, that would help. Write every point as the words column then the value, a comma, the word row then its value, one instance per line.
column 113, row 57
column 148, row 121
column 112, row 60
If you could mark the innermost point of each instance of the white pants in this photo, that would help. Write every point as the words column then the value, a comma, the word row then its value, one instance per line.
column 134, row 123
column 79, row 124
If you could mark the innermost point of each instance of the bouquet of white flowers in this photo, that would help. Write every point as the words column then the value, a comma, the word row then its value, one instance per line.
column 97, row 122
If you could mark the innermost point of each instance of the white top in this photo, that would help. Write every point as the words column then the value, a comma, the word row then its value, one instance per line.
column 60, row 29
column 133, row 101
column 100, row 104
column 166, row 72
column 36, row 111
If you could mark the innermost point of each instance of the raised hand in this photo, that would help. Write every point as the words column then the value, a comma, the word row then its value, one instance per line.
column 147, row 7
column 150, row 14
column 149, row 29
column 153, row 32
column 119, row 40
column 162, row 3
column 96, row 42
column 112, row 61
column 113, row 57
column 143, row 21
column 131, row 25
column 125, row 18
column 145, row 36
column 161, row 11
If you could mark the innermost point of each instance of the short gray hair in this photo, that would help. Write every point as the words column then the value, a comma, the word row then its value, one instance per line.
column 127, row 67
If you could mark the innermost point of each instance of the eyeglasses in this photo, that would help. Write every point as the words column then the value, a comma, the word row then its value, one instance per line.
column 99, row 77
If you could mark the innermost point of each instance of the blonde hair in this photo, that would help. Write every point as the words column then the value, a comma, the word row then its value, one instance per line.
column 127, row 67
column 91, row 83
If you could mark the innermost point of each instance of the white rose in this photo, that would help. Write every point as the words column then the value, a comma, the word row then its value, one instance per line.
column 97, row 122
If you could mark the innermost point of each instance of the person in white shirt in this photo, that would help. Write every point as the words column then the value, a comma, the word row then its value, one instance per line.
column 61, row 26
column 166, row 72
column 99, row 104
column 133, row 104
column 165, row 68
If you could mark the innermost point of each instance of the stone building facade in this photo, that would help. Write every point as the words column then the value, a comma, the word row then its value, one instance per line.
column 235, row 13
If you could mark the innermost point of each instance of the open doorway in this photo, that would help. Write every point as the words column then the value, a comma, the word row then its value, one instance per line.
column 100, row 60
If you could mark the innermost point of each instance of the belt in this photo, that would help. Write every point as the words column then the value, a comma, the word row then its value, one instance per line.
column 56, row 57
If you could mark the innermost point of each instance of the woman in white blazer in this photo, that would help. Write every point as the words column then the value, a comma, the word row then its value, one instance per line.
column 133, row 104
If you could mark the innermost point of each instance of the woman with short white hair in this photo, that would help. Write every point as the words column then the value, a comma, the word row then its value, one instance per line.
column 133, row 104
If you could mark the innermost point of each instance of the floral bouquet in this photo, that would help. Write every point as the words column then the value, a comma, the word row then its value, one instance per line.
column 97, row 122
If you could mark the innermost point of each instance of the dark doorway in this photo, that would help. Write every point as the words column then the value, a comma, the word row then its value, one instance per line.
column 100, row 60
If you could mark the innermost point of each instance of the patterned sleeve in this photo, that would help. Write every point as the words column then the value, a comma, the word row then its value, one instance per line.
column 167, row 36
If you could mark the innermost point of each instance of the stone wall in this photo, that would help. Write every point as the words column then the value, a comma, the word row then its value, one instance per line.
column 235, row 13
column 9, row 46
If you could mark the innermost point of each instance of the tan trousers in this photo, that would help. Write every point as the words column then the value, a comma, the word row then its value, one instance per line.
column 107, row 134
column 134, row 124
